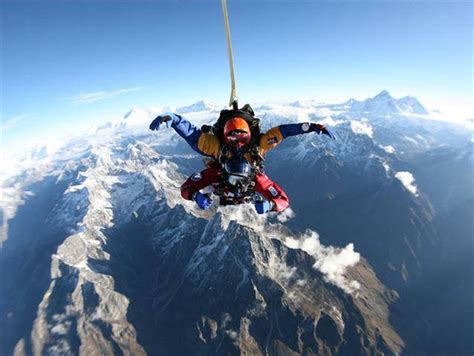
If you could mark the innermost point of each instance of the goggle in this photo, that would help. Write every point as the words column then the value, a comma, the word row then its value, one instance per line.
column 238, row 137
column 236, row 180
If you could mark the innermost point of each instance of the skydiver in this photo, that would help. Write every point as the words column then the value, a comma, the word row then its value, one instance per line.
column 238, row 178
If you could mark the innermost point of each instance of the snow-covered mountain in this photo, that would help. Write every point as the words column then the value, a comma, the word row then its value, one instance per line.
column 100, row 255
column 94, row 221
column 196, row 107
column 384, row 104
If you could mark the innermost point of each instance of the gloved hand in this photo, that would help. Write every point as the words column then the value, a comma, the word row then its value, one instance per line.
column 263, row 206
column 203, row 200
column 155, row 124
column 321, row 129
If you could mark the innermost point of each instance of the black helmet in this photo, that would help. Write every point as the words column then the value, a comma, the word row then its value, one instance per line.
column 238, row 170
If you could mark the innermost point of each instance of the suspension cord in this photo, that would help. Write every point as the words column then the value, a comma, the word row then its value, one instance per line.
column 233, row 92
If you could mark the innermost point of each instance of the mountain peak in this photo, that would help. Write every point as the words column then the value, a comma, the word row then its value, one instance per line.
column 383, row 94
column 199, row 105
column 129, row 113
column 135, row 113
column 383, row 103
column 411, row 105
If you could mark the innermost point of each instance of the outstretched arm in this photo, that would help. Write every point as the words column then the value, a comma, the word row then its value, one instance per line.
column 202, row 143
column 274, row 136
column 306, row 127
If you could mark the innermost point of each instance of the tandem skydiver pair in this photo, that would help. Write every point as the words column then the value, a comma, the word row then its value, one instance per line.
column 235, row 150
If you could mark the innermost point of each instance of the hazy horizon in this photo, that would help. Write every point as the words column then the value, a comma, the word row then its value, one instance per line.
column 67, row 65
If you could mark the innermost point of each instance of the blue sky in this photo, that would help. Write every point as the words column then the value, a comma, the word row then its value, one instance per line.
column 67, row 64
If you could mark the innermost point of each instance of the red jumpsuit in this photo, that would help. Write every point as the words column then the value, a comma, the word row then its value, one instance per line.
column 263, row 185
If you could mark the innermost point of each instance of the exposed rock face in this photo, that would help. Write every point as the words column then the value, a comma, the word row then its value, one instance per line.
column 239, row 289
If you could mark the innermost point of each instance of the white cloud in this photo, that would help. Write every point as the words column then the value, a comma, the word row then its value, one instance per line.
column 334, row 264
column 388, row 149
column 362, row 128
column 286, row 215
column 330, row 261
column 14, row 121
column 407, row 180
column 329, row 121
column 85, row 98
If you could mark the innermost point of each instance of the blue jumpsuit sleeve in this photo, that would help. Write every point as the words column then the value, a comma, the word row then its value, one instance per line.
column 294, row 129
column 186, row 130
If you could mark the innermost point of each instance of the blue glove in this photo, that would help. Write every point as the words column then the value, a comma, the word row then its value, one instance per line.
column 321, row 129
column 202, row 200
column 155, row 124
column 263, row 206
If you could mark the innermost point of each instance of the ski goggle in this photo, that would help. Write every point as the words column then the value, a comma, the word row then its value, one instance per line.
column 236, row 180
column 238, row 138
column 238, row 170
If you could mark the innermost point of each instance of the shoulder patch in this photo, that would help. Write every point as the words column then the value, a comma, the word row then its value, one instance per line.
column 273, row 191
column 196, row 177
column 305, row 126
column 272, row 140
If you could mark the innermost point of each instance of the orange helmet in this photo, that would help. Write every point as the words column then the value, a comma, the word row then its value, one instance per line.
column 237, row 132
